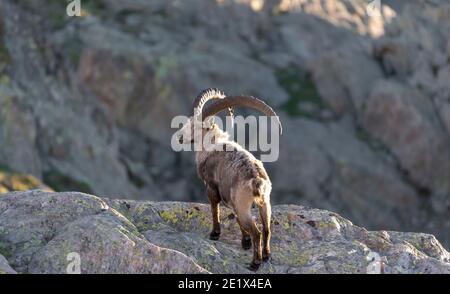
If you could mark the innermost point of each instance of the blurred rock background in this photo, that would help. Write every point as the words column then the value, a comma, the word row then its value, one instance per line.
column 86, row 102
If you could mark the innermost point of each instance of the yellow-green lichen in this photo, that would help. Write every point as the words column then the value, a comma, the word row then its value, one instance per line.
column 291, row 254
column 169, row 216
column 10, row 181
column 301, row 259
column 143, row 223
column 186, row 218
column 3, row 189
column 197, row 214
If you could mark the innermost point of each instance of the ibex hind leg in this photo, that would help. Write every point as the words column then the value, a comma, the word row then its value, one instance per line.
column 265, row 212
column 214, row 200
column 248, row 225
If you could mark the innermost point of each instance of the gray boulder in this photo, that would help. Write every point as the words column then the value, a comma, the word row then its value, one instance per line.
column 4, row 266
column 43, row 232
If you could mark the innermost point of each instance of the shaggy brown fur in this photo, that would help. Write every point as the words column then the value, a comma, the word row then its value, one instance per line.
column 236, row 179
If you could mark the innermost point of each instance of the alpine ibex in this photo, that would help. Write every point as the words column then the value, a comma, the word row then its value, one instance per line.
column 232, row 175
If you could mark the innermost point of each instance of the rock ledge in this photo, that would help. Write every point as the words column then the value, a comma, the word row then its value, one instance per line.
column 38, row 231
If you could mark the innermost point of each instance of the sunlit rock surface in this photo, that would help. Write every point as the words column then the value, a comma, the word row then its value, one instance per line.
column 40, row 230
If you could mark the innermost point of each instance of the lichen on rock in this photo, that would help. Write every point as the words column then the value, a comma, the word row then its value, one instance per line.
column 39, row 230
column 11, row 181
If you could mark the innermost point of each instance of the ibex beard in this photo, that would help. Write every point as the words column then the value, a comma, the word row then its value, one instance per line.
column 231, row 174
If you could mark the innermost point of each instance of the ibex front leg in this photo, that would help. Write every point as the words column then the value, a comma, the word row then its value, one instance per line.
column 214, row 200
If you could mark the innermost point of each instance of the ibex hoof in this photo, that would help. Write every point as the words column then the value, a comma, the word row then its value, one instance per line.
column 254, row 266
column 214, row 236
column 266, row 257
column 246, row 243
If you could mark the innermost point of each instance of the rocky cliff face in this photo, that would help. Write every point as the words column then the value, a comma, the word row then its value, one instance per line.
column 86, row 103
column 41, row 231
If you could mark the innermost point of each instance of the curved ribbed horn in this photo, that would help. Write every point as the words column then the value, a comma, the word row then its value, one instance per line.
column 204, row 97
column 245, row 101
